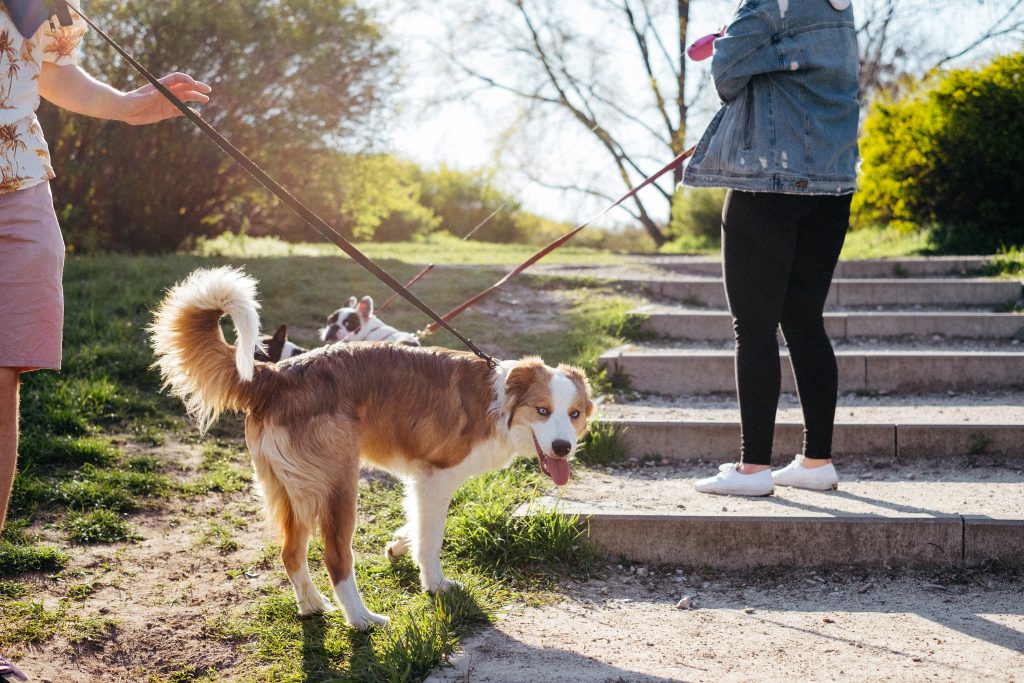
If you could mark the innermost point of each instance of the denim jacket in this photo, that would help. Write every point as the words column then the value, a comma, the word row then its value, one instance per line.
column 786, row 71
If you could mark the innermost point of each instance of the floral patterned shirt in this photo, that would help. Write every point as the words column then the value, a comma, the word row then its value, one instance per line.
column 24, row 156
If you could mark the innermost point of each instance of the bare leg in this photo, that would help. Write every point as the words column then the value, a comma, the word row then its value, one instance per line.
column 10, row 379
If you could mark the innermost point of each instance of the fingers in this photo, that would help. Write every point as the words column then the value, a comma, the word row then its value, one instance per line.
column 186, row 88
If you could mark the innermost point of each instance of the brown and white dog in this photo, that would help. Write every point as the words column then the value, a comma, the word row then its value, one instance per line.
column 433, row 417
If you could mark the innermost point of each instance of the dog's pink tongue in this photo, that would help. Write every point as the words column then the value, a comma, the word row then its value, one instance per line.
column 558, row 470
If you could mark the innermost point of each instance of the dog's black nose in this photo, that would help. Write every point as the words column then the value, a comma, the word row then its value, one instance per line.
column 561, row 447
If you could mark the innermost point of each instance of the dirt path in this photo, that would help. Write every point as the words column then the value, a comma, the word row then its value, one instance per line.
column 802, row 625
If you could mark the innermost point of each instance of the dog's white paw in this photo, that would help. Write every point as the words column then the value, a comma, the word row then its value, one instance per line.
column 396, row 548
column 316, row 604
column 445, row 585
column 367, row 621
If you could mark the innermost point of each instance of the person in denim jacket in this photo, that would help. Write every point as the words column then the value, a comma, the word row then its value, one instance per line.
column 785, row 145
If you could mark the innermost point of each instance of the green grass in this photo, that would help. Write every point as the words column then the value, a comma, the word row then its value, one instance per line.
column 438, row 249
column 29, row 622
column 20, row 552
column 1009, row 262
column 601, row 445
column 99, row 526
column 493, row 552
column 886, row 242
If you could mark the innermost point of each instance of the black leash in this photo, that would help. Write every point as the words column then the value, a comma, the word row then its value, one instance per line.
column 317, row 223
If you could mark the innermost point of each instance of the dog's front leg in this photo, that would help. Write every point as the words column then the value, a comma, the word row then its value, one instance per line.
column 427, row 500
column 399, row 543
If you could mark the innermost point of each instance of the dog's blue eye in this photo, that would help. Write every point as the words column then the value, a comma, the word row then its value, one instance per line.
column 574, row 414
column 543, row 411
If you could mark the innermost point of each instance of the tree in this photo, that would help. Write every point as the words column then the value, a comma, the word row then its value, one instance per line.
column 538, row 52
column 615, row 69
column 948, row 153
column 291, row 79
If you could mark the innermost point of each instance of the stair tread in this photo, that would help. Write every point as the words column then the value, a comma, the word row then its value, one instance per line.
column 846, row 347
column 997, row 408
column 941, row 489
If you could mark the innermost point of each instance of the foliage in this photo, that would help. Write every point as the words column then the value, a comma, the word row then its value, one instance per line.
column 290, row 79
column 696, row 219
column 948, row 153
column 602, row 445
column 886, row 242
column 1008, row 262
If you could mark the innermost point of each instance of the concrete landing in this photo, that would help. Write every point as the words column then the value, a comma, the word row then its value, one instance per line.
column 900, row 515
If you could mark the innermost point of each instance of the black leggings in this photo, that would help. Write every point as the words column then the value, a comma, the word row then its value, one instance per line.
column 779, row 254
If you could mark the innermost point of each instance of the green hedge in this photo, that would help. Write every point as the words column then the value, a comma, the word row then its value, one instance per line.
column 949, row 155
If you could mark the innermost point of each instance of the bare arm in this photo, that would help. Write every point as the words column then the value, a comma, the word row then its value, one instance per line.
column 71, row 88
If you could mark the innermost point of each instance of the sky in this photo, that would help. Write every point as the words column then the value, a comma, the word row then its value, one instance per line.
column 486, row 130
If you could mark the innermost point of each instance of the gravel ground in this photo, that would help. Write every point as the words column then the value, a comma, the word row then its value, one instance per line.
column 843, row 625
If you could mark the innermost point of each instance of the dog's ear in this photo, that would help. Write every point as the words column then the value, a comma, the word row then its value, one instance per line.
column 365, row 307
column 281, row 335
column 518, row 383
column 350, row 303
column 579, row 378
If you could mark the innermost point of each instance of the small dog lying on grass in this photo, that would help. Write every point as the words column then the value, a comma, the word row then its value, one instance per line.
column 355, row 321
column 433, row 417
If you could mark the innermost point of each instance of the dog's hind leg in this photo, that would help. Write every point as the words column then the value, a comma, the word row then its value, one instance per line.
column 427, row 500
column 294, row 554
column 338, row 522
column 295, row 531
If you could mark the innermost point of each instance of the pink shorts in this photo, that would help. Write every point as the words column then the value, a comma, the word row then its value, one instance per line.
column 31, row 266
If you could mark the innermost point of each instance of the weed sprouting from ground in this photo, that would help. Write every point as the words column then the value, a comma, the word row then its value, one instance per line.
column 601, row 445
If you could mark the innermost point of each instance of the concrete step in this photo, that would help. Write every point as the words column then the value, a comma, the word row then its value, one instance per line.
column 904, row 427
column 949, row 512
column 676, row 323
column 719, row 440
column 931, row 266
column 940, row 293
column 655, row 266
column 672, row 371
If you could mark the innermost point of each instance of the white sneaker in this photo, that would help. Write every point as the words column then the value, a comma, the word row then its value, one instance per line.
column 729, row 481
column 794, row 474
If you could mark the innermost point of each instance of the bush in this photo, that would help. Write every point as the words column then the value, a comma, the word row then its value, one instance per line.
column 948, row 153
column 696, row 219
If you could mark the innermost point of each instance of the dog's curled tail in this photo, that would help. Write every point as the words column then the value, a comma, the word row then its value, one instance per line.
column 195, row 361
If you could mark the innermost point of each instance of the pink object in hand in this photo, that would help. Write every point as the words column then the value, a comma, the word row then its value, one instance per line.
column 702, row 48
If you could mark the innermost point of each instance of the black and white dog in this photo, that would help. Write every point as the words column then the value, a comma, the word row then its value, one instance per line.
column 355, row 321
column 277, row 347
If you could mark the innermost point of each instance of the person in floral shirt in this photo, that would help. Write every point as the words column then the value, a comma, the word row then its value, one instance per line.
column 31, row 246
